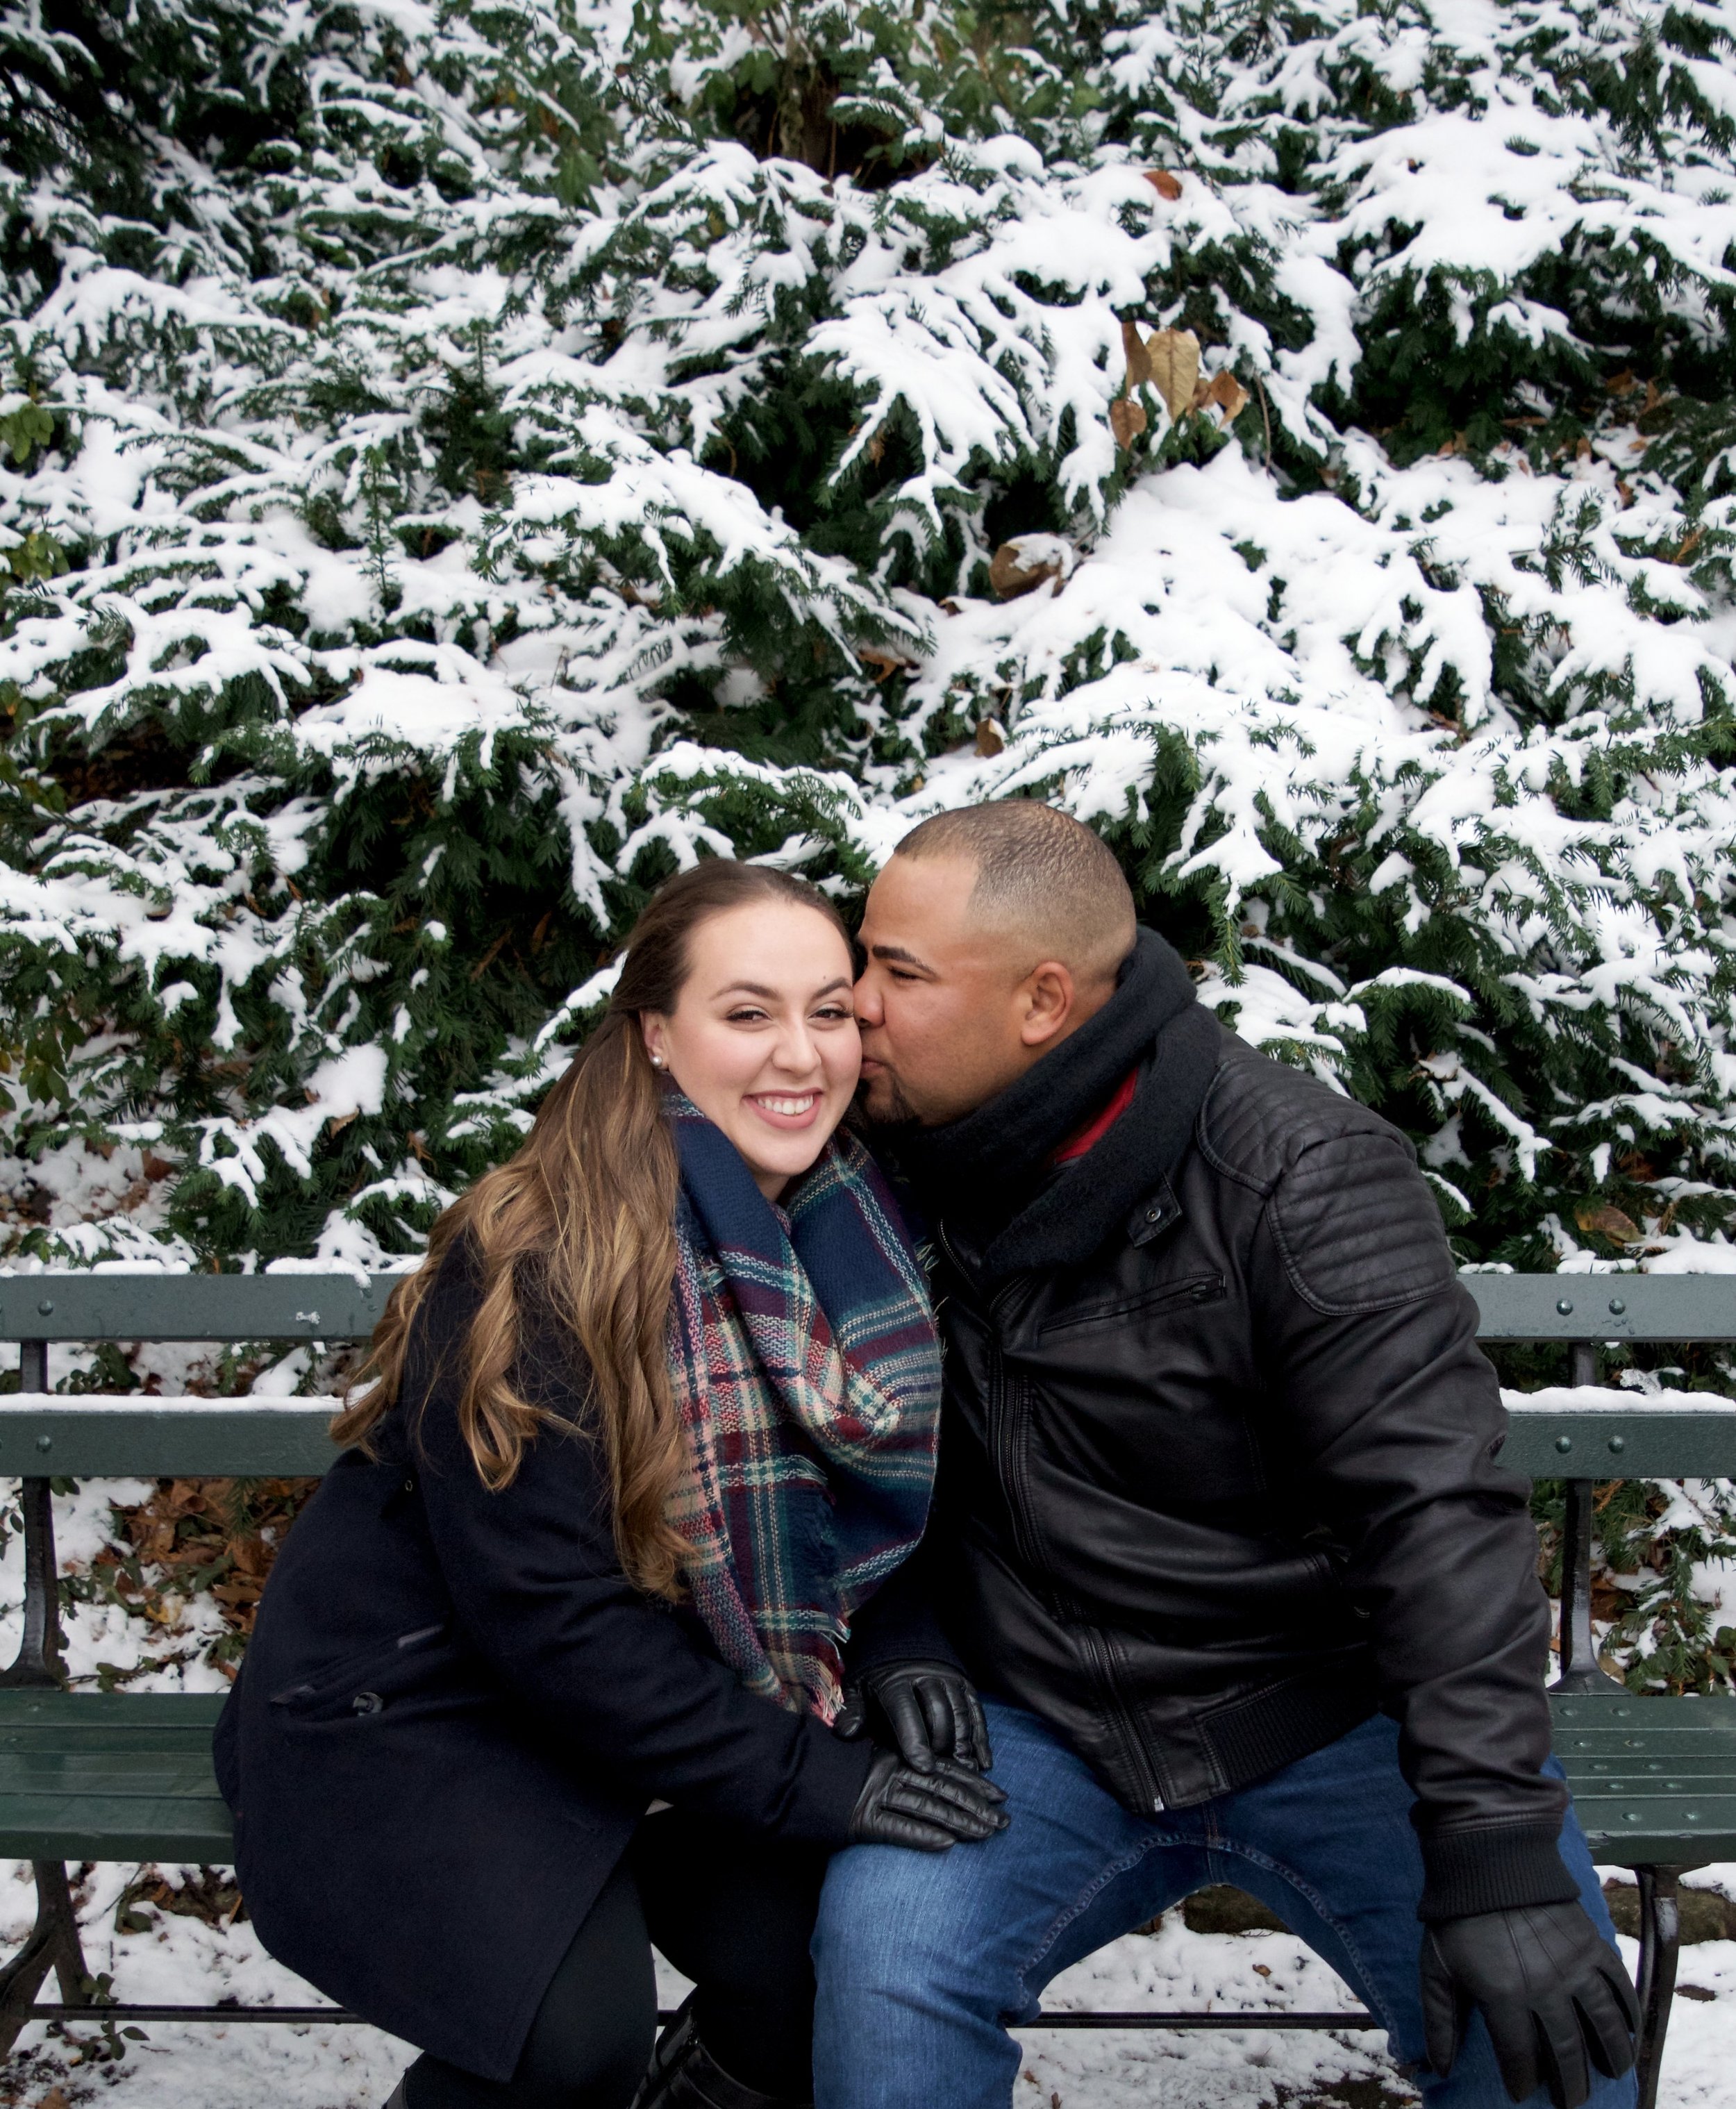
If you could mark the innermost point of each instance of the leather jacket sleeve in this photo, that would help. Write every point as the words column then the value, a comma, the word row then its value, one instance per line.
column 1393, row 1414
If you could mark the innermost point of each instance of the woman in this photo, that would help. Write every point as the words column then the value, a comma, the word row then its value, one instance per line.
column 655, row 1416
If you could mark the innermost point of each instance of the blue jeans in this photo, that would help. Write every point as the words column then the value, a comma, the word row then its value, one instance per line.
column 923, row 1958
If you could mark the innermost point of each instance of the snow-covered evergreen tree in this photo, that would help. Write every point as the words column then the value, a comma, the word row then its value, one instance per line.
column 460, row 458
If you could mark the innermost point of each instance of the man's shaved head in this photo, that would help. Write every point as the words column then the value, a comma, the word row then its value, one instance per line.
column 1041, row 876
column 991, row 934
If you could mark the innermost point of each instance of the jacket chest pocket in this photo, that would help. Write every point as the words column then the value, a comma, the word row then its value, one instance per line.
column 1137, row 1306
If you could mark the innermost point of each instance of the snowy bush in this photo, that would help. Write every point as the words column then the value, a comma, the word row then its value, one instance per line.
column 459, row 461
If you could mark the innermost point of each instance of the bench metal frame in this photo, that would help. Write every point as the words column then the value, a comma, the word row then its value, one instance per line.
column 95, row 1437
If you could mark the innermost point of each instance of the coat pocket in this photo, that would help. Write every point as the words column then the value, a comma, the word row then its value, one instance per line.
column 1195, row 1288
column 364, row 1684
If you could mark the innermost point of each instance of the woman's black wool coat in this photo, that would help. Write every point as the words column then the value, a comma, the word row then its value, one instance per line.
column 455, row 1708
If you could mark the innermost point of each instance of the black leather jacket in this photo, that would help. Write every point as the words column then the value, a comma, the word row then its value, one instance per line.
column 1219, row 1472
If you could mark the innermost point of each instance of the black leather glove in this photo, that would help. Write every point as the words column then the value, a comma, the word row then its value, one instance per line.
column 930, row 1810
column 930, row 1709
column 1552, row 1990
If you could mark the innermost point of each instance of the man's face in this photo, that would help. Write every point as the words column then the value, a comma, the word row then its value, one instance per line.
column 943, row 1005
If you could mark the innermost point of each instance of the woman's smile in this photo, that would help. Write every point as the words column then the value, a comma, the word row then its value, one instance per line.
column 785, row 1109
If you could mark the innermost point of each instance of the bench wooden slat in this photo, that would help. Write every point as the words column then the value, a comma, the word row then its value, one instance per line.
column 192, row 1829
column 123, row 1306
column 191, row 1307
column 49, row 1434
column 1605, row 1307
column 1633, row 1441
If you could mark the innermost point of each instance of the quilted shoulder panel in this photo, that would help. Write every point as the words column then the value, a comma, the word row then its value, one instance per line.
column 1260, row 1114
column 1358, row 1226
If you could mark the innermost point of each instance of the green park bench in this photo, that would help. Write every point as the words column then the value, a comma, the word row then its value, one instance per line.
column 127, row 1776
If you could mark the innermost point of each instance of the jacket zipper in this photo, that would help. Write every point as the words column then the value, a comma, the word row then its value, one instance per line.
column 1010, row 1462
column 1004, row 1437
column 1120, row 1716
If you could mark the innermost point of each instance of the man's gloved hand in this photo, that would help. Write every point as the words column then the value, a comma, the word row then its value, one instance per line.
column 1551, row 1989
column 930, row 1810
column 931, row 1710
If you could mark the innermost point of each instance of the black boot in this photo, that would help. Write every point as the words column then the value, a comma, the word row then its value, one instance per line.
column 683, row 2075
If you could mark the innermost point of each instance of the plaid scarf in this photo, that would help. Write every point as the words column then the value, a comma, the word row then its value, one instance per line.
column 803, row 1358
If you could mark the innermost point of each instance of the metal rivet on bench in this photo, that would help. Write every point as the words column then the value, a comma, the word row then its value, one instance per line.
column 1564, row 1304
column 1617, row 1444
column 1630, row 1816
column 46, row 1305
column 1564, row 1444
column 1617, row 1306
column 45, row 1442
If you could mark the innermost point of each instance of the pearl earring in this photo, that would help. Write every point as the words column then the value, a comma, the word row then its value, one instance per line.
column 656, row 1061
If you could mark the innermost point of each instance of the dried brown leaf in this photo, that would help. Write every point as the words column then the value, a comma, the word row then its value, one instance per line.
column 1176, row 368
column 1011, row 576
column 1224, row 393
column 888, row 662
column 1127, row 420
column 991, row 739
column 1166, row 185
column 1608, row 1222
column 1138, row 358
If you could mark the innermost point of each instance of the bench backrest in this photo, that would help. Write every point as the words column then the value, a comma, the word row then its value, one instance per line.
column 1555, row 1436
column 1578, row 1432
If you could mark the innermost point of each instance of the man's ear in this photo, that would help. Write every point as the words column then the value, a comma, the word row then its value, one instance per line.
column 1050, row 1003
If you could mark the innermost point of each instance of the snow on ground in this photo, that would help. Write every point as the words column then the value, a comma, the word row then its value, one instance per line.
column 351, row 2067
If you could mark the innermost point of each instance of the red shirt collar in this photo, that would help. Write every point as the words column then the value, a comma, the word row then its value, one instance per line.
column 1082, row 1139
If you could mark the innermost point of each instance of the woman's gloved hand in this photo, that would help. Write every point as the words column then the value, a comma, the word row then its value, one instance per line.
column 930, row 1709
column 929, row 1810
column 1552, row 1990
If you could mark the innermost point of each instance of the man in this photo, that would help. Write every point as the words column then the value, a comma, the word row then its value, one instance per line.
column 1221, row 1536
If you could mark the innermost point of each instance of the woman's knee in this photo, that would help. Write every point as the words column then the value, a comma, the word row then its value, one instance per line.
column 591, row 2040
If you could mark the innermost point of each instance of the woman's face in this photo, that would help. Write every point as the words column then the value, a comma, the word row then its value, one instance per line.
column 762, row 1038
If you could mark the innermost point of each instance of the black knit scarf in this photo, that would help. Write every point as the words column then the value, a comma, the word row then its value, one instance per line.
column 1021, row 1213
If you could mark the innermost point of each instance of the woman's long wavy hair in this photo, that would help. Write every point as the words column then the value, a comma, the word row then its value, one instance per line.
column 583, row 1217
